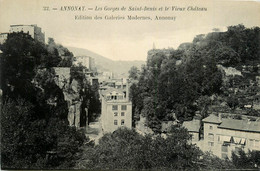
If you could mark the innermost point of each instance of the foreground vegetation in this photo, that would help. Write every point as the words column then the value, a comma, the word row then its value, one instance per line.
column 34, row 126
column 126, row 149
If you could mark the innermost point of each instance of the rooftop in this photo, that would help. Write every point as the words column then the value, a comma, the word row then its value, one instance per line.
column 111, row 89
column 212, row 119
column 34, row 25
column 192, row 126
column 242, row 125
column 234, row 124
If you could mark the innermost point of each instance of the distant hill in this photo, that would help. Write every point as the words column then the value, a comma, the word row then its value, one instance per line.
column 119, row 68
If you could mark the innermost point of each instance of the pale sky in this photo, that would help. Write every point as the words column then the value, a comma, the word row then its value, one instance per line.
column 127, row 40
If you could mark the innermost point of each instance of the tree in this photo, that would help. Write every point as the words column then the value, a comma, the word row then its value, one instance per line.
column 15, row 147
column 203, row 103
column 21, row 55
column 242, row 160
column 65, row 56
column 134, row 73
column 227, row 56
column 209, row 161
column 126, row 149
column 232, row 101
column 34, row 127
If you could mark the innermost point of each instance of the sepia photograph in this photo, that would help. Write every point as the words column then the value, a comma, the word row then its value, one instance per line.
column 130, row 85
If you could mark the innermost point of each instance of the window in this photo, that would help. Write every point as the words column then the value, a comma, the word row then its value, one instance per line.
column 123, row 107
column 114, row 107
column 251, row 142
column 115, row 114
column 211, row 127
column 113, row 97
column 211, row 137
column 122, row 113
column 122, row 122
column 115, row 122
column 211, row 144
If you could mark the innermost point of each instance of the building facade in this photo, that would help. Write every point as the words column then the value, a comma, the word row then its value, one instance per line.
column 86, row 61
column 33, row 30
column 116, row 110
column 224, row 135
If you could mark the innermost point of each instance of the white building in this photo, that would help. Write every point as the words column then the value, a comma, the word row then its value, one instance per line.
column 224, row 135
column 116, row 110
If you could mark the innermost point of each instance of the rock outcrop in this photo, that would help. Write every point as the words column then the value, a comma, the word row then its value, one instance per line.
column 71, row 91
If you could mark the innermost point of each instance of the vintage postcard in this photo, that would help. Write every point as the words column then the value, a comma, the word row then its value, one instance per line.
column 130, row 84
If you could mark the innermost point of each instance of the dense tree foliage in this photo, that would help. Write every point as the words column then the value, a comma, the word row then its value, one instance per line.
column 250, row 160
column 28, row 143
column 186, row 80
column 126, row 149
column 134, row 73
column 164, row 86
column 34, row 126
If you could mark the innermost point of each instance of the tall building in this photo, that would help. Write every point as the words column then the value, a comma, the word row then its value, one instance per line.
column 116, row 110
column 224, row 135
column 33, row 30
column 86, row 61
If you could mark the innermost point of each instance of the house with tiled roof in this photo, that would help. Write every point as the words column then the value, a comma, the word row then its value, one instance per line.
column 224, row 135
column 193, row 128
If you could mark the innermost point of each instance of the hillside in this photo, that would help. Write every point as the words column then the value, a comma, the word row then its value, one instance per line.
column 218, row 72
column 119, row 68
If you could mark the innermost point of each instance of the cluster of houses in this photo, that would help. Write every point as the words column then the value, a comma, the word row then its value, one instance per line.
column 222, row 136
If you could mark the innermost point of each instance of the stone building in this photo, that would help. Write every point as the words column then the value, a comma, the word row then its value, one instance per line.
column 224, row 135
column 33, row 30
column 116, row 110
column 86, row 61
column 3, row 37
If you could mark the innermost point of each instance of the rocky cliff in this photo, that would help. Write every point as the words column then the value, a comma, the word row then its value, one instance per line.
column 71, row 92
